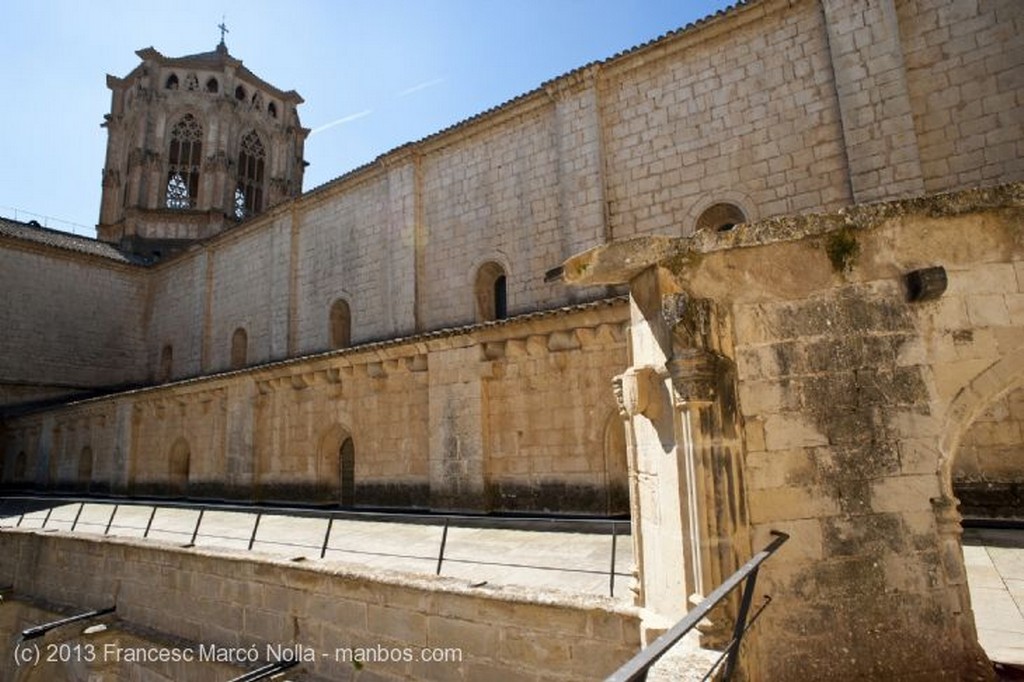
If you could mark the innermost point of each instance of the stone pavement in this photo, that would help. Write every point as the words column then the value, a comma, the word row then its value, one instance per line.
column 995, row 574
column 578, row 562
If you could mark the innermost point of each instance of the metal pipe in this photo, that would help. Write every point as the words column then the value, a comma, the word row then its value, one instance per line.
column 327, row 537
column 195, row 531
column 265, row 672
column 255, row 527
column 40, row 630
column 444, row 541
column 636, row 668
column 150, row 522
column 81, row 506
column 110, row 521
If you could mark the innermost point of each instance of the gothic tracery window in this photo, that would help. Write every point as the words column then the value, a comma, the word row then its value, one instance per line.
column 183, row 159
column 251, row 162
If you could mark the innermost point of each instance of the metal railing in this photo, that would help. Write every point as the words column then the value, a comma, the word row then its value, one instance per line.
column 638, row 666
column 612, row 527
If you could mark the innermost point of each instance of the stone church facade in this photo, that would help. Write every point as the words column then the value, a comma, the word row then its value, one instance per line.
column 415, row 284
column 406, row 336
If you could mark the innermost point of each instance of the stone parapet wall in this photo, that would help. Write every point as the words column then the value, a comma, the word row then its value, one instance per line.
column 219, row 599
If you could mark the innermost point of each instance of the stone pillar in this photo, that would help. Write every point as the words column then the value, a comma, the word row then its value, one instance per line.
column 685, row 452
column 456, row 435
column 874, row 105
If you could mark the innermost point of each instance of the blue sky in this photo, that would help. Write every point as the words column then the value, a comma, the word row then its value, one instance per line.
column 374, row 74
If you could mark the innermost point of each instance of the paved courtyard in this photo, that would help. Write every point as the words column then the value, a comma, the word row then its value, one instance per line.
column 995, row 573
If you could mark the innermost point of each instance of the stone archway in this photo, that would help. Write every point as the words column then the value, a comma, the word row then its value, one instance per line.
column 178, row 463
column 979, row 423
column 988, row 467
column 335, row 467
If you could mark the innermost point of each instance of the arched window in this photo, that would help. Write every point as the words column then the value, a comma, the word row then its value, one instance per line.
column 172, row 82
column 249, row 190
column 240, row 93
column 183, row 159
column 721, row 217
column 272, row 110
column 212, row 86
column 491, row 292
column 341, row 324
column 85, row 467
column 239, row 348
column 166, row 363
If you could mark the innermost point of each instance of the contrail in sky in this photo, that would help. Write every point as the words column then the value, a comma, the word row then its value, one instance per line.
column 345, row 119
column 422, row 86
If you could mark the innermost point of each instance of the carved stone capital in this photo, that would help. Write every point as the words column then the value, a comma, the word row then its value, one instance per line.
column 697, row 375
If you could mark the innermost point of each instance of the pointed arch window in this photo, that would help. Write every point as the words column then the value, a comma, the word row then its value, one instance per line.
column 183, row 159
column 252, row 157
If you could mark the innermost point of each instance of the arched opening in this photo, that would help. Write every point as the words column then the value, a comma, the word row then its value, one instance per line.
column 85, row 468
column 172, row 82
column 239, row 348
column 252, row 157
column 616, row 465
column 347, row 456
column 178, row 463
column 272, row 110
column 336, row 482
column 988, row 472
column 20, row 464
column 491, row 292
column 212, row 85
column 183, row 163
column 240, row 93
column 341, row 324
column 721, row 217
column 166, row 363
column 981, row 445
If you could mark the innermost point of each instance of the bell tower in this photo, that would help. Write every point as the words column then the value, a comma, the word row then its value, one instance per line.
column 195, row 145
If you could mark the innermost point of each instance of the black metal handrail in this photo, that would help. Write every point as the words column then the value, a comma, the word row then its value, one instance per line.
column 518, row 522
column 637, row 667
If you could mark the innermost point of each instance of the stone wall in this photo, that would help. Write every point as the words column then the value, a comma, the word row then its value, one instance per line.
column 775, row 107
column 229, row 601
column 855, row 399
column 70, row 322
column 435, row 421
column 850, row 398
